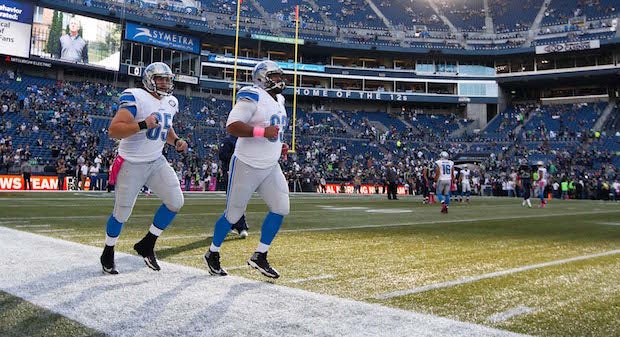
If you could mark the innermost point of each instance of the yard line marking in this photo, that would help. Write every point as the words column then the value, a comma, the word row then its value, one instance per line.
column 64, row 277
column 435, row 222
column 55, row 230
column 366, row 209
column 508, row 314
column 388, row 210
column 315, row 278
column 421, row 222
column 471, row 279
column 188, row 257
column 245, row 266
column 609, row 223
column 183, row 237
column 67, row 236
column 28, row 226
column 12, row 222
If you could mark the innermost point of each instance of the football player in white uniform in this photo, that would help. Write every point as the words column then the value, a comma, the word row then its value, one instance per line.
column 258, row 119
column 443, row 179
column 465, row 178
column 143, row 122
column 542, row 182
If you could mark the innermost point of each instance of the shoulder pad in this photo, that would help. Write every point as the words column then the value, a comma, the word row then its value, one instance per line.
column 127, row 96
column 249, row 93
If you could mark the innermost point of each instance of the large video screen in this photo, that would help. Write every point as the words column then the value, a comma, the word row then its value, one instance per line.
column 15, row 19
column 76, row 39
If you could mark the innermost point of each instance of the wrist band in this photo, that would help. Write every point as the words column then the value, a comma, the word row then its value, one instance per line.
column 176, row 140
column 259, row 132
column 142, row 125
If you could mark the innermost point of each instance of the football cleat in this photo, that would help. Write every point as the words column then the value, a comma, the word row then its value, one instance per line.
column 107, row 261
column 212, row 259
column 148, row 255
column 242, row 233
column 259, row 261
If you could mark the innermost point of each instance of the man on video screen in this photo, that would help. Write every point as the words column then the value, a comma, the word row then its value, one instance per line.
column 72, row 47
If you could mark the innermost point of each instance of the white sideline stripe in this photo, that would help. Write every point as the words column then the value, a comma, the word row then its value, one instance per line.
column 508, row 314
column 184, row 237
column 12, row 222
column 316, row 278
column 434, row 222
column 34, row 226
column 65, row 277
column 609, row 223
column 55, row 230
column 245, row 266
column 491, row 275
column 67, row 236
column 319, row 229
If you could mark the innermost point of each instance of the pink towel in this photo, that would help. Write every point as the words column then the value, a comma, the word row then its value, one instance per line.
column 116, row 167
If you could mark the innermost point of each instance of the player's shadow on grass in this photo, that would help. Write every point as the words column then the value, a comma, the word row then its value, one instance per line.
column 202, row 244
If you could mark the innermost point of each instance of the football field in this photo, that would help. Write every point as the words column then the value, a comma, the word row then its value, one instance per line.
column 491, row 264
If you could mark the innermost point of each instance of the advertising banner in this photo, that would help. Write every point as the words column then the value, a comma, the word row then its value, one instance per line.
column 162, row 38
column 246, row 62
column 364, row 189
column 15, row 28
column 39, row 183
column 568, row 46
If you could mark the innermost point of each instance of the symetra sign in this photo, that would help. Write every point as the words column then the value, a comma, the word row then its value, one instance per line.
column 161, row 37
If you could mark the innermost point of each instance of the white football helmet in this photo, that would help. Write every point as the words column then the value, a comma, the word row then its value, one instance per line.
column 158, row 69
column 443, row 155
column 261, row 75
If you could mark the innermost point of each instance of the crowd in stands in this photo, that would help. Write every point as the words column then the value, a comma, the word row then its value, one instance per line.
column 68, row 121
column 414, row 24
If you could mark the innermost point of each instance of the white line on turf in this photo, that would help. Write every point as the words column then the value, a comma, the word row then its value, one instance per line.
column 67, row 236
column 32, row 226
column 490, row 275
column 508, row 314
column 55, row 230
column 609, row 223
column 436, row 222
column 345, row 227
column 309, row 279
column 65, row 277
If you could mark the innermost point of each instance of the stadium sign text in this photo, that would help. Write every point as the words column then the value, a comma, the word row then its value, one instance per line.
column 354, row 94
column 568, row 46
column 162, row 38
column 251, row 63
column 276, row 39
column 15, row 28
column 364, row 189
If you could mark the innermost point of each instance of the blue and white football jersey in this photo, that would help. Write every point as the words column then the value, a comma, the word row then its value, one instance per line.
column 259, row 152
column 147, row 145
column 445, row 169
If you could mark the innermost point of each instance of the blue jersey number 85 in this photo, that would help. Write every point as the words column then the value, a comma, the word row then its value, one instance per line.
column 165, row 123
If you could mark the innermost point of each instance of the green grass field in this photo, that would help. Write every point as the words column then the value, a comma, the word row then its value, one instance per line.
column 558, row 267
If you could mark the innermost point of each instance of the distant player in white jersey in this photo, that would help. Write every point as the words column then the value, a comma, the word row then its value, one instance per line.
column 542, row 182
column 443, row 180
column 465, row 179
column 143, row 122
column 258, row 119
